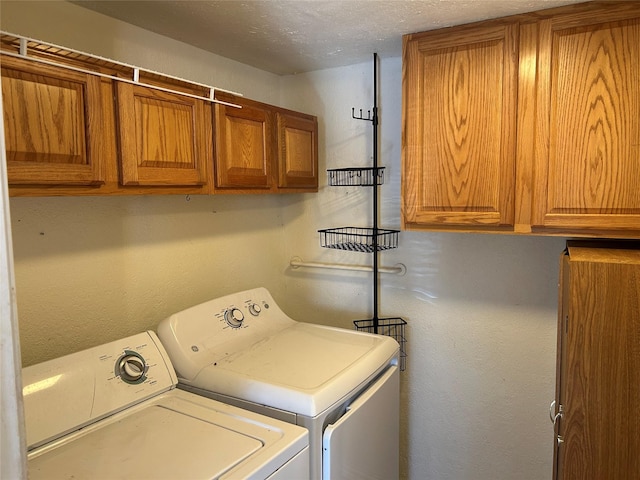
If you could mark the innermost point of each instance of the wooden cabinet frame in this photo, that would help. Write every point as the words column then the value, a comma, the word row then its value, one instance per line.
column 165, row 138
column 561, row 111
column 55, row 136
column 82, row 125
column 460, row 127
column 261, row 148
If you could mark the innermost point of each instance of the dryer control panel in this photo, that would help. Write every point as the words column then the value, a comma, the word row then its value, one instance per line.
column 69, row 392
column 204, row 334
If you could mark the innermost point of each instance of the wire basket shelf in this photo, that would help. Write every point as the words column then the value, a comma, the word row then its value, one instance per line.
column 391, row 327
column 357, row 239
column 358, row 177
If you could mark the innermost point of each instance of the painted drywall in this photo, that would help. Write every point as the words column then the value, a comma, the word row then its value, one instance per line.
column 481, row 309
column 91, row 270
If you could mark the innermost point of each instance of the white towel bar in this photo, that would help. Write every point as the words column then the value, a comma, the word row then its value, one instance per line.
column 297, row 262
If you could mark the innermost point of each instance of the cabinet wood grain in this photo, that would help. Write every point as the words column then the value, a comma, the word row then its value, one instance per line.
column 525, row 124
column 165, row 138
column 261, row 148
column 297, row 150
column 600, row 365
column 589, row 122
column 53, row 122
column 243, row 143
column 459, row 123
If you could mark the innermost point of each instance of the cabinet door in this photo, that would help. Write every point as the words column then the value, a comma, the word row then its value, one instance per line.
column 297, row 151
column 52, row 120
column 600, row 356
column 243, row 145
column 459, row 121
column 164, row 137
column 587, row 154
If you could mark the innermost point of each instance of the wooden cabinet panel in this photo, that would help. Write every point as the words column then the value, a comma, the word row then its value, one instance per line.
column 52, row 120
column 297, row 150
column 600, row 365
column 68, row 134
column 459, row 124
column 547, row 142
column 588, row 149
column 243, row 145
column 262, row 148
column 165, row 138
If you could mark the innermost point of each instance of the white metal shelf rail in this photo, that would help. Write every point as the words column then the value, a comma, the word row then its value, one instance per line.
column 24, row 53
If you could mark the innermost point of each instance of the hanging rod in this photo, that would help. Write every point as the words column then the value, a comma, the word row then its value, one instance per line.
column 135, row 80
column 297, row 262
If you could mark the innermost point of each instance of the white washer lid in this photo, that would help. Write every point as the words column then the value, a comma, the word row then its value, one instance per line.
column 178, row 435
column 303, row 369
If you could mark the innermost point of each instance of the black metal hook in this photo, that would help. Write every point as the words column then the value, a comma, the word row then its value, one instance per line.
column 368, row 118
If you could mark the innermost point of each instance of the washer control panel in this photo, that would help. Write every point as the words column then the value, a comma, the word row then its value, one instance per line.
column 131, row 367
column 90, row 384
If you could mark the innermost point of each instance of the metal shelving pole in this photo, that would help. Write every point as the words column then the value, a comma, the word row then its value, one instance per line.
column 375, row 193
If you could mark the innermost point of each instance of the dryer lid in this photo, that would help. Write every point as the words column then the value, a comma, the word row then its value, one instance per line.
column 243, row 345
column 303, row 369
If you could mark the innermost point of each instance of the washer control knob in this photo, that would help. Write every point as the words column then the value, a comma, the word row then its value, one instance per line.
column 234, row 317
column 254, row 309
column 131, row 367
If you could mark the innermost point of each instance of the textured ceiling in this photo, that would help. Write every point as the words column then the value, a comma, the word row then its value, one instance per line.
column 294, row 36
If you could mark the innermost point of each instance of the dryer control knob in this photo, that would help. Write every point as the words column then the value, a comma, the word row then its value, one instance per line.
column 234, row 317
column 254, row 309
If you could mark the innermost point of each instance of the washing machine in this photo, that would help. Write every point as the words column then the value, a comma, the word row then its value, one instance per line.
column 113, row 412
column 341, row 385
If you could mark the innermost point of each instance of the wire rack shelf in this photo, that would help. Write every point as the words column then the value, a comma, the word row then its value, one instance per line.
column 356, row 176
column 358, row 239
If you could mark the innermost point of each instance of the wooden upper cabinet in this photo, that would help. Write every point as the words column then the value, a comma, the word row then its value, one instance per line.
column 526, row 124
column 243, row 145
column 459, row 127
column 263, row 148
column 80, row 125
column 52, row 121
column 164, row 138
column 297, row 150
column 588, row 121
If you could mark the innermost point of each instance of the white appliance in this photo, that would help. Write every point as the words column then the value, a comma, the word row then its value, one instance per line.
column 112, row 412
column 342, row 385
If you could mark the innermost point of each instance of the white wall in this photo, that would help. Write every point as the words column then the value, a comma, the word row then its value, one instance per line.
column 481, row 309
column 91, row 270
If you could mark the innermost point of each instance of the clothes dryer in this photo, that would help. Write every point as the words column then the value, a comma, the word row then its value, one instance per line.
column 342, row 385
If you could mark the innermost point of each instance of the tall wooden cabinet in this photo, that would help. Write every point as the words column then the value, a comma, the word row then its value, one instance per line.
column 597, row 406
column 526, row 124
